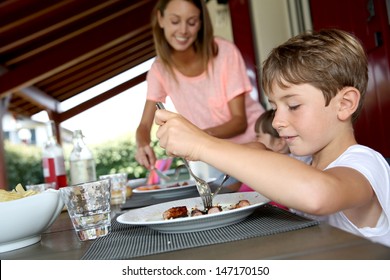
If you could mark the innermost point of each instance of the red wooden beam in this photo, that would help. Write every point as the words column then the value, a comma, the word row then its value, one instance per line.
column 100, row 98
column 243, row 37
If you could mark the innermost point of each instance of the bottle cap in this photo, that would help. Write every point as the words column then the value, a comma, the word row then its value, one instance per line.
column 78, row 132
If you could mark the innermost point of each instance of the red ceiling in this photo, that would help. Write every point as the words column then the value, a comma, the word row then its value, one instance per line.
column 53, row 50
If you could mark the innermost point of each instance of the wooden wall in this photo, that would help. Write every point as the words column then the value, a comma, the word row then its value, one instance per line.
column 369, row 21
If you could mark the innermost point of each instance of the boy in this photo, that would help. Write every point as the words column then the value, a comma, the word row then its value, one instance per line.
column 269, row 137
column 316, row 83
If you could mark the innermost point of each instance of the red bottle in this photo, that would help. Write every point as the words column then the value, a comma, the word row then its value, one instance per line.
column 53, row 162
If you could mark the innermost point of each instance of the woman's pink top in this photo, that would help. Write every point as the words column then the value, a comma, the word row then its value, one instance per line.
column 203, row 99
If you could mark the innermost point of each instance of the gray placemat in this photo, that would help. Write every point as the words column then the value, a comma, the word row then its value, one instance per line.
column 127, row 241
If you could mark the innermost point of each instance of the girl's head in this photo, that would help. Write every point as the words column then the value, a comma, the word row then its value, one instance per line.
column 267, row 135
column 179, row 25
column 329, row 60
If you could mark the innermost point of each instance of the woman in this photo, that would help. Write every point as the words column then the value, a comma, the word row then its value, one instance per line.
column 204, row 76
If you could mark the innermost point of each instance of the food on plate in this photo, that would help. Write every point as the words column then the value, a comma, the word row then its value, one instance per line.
column 196, row 212
column 175, row 212
column 129, row 192
column 17, row 193
column 241, row 203
column 157, row 187
column 182, row 211
column 178, row 185
column 149, row 188
column 214, row 209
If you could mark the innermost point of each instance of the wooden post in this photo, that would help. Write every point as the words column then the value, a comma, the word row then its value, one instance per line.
column 3, row 168
column 55, row 118
column 243, row 38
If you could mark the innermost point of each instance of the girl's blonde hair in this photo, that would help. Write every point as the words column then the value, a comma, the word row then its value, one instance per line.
column 328, row 60
column 204, row 43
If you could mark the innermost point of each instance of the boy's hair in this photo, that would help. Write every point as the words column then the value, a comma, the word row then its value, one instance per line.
column 204, row 43
column 328, row 60
column 264, row 123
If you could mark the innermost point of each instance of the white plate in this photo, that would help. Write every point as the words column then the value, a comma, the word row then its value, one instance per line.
column 151, row 216
column 167, row 191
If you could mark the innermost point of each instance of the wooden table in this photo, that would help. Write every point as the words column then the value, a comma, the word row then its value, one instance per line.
column 318, row 242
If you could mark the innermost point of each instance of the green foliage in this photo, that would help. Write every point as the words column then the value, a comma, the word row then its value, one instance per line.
column 118, row 156
column 23, row 164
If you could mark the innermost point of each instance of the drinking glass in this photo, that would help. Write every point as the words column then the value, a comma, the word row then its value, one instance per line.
column 89, row 209
column 118, row 187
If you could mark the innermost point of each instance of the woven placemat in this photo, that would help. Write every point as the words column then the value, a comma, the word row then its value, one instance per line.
column 127, row 241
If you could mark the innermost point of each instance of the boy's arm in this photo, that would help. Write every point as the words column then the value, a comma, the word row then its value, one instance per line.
column 280, row 178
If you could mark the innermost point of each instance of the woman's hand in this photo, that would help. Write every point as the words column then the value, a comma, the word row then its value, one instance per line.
column 145, row 156
column 178, row 136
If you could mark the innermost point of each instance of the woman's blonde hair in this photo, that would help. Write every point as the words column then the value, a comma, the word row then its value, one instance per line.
column 328, row 60
column 204, row 44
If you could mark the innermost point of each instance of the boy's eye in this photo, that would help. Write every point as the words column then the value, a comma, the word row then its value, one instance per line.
column 293, row 108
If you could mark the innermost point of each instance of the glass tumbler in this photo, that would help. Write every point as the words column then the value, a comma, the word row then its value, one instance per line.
column 89, row 208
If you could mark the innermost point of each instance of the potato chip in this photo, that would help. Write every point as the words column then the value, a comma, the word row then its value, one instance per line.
column 17, row 193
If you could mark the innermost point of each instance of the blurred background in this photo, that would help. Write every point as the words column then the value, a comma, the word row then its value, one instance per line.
column 83, row 65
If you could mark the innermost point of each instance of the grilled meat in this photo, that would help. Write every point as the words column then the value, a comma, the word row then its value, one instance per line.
column 175, row 212
column 241, row 203
column 196, row 212
column 214, row 209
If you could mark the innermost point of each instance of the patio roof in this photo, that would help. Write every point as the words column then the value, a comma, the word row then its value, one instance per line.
column 51, row 51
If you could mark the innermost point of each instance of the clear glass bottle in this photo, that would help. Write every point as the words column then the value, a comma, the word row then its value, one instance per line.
column 82, row 163
column 53, row 162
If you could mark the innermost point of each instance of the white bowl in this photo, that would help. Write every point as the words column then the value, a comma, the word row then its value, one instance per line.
column 24, row 220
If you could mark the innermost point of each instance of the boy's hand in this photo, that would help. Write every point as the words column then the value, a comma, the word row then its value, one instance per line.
column 178, row 136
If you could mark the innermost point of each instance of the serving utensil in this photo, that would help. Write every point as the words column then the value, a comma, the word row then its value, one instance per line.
column 177, row 171
column 225, row 178
column 201, row 185
column 162, row 176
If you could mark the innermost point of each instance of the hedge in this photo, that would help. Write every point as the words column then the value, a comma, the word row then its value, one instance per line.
column 24, row 162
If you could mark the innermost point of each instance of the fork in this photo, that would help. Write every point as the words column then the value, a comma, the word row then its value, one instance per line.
column 202, row 186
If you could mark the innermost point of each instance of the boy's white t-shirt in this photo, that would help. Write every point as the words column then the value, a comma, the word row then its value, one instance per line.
column 377, row 171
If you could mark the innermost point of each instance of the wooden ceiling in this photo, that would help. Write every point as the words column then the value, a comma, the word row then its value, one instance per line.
column 51, row 50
